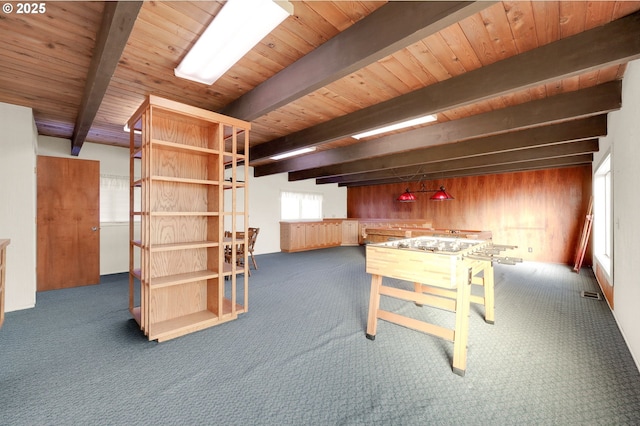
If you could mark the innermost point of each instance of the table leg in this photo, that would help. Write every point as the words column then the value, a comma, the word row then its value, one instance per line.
column 417, row 287
column 374, row 304
column 489, row 300
column 461, row 333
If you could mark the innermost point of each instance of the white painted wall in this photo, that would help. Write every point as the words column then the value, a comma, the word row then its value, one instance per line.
column 264, row 206
column 18, row 204
column 623, row 140
column 19, row 146
column 264, row 201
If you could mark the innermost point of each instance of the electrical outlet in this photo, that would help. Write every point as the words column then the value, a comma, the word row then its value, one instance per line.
column 530, row 249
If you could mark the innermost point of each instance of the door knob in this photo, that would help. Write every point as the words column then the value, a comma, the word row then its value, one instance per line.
column 95, row 228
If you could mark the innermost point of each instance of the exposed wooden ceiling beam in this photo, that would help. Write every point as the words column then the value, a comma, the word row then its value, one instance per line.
column 538, row 153
column 614, row 43
column 591, row 101
column 117, row 23
column 569, row 131
column 385, row 31
column 551, row 163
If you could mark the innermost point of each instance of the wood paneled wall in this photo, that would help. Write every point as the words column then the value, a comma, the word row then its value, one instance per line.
column 542, row 210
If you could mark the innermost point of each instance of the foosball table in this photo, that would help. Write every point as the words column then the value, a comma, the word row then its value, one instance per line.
column 443, row 271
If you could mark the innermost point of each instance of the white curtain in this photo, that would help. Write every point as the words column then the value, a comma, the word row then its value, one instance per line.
column 114, row 198
column 300, row 205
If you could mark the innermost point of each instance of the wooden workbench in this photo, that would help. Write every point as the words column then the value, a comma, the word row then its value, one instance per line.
column 442, row 279
column 381, row 234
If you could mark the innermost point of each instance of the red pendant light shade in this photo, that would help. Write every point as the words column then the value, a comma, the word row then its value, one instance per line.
column 407, row 197
column 441, row 195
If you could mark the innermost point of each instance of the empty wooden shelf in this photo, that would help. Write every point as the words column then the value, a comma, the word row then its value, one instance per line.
column 188, row 184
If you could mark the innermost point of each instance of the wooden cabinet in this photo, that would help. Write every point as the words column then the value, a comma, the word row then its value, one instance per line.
column 312, row 237
column 3, row 270
column 349, row 233
column 181, row 164
column 299, row 236
column 333, row 233
column 292, row 236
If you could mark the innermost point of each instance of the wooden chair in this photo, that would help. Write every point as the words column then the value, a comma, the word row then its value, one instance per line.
column 240, row 248
column 227, row 248
column 251, row 242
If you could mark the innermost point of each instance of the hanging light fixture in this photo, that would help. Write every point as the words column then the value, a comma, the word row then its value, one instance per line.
column 407, row 197
column 439, row 195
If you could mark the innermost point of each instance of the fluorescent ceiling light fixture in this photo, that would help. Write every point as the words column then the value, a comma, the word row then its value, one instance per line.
column 235, row 30
column 293, row 153
column 409, row 123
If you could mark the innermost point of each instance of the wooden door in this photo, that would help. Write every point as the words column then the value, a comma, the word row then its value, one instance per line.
column 68, row 223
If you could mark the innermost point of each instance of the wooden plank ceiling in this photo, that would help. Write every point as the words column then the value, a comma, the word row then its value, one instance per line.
column 515, row 85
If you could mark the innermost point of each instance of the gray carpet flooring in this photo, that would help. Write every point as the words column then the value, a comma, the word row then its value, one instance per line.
column 300, row 356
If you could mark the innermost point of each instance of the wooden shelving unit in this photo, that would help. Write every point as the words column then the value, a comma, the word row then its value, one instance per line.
column 188, row 185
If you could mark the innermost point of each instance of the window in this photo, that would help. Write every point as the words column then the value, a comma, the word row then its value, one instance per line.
column 114, row 198
column 602, row 213
column 300, row 205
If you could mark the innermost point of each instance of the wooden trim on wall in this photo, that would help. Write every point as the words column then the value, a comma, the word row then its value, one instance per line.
column 603, row 281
